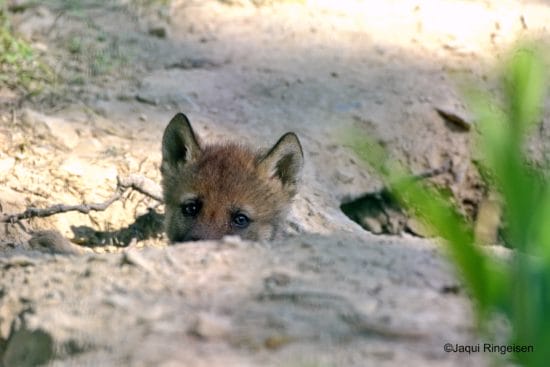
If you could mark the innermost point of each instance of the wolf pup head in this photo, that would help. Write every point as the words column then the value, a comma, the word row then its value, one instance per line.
column 225, row 189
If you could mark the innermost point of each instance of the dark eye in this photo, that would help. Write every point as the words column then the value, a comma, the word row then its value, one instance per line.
column 240, row 220
column 191, row 209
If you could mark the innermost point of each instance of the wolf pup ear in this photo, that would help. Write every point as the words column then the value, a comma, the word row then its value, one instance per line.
column 284, row 161
column 179, row 142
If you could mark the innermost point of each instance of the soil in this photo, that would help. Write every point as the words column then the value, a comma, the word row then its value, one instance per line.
column 330, row 293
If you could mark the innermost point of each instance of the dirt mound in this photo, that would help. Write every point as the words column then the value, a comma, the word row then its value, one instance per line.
column 329, row 294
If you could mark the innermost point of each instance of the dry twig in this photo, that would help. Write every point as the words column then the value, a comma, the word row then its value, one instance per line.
column 136, row 182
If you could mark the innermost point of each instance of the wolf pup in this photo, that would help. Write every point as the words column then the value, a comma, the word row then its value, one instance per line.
column 225, row 189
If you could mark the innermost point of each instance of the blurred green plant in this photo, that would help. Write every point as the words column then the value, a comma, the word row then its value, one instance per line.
column 518, row 288
column 19, row 67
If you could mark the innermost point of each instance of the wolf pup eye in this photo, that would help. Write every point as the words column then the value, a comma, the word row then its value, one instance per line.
column 240, row 221
column 191, row 209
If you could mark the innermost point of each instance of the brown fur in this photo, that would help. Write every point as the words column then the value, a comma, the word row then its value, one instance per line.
column 226, row 179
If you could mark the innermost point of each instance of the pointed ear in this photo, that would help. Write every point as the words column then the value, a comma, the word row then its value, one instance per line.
column 179, row 142
column 284, row 161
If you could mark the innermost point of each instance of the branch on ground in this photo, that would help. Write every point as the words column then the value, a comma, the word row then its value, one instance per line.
column 135, row 182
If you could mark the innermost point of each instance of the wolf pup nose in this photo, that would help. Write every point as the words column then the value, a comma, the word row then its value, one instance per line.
column 225, row 189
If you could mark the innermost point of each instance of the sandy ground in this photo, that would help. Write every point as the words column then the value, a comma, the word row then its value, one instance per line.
column 331, row 294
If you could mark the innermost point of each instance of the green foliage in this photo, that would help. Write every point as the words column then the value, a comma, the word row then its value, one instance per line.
column 519, row 289
column 19, row 67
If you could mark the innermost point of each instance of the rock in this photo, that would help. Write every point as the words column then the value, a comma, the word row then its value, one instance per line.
column 94, row 174
column 54, row 242
column 12, row 202
column 6, row 164
column 147, row 99
column 164, row 87
column 209, row 326
column 63, row 131
column 7, row 96
column 276, row 279
column 344, row 177
column 372, row 225
column 36, row 21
